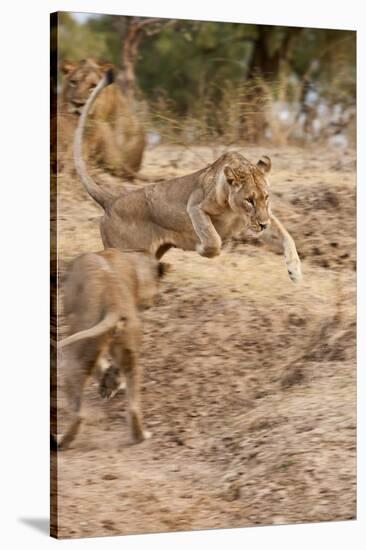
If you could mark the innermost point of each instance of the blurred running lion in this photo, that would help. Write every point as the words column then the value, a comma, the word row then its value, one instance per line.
column 103, row 292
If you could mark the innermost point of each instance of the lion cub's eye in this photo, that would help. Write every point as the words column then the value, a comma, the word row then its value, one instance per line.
column 250, row 200
column 72, row 83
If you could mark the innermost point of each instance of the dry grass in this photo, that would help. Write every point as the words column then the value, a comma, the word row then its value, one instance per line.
column 235, row 113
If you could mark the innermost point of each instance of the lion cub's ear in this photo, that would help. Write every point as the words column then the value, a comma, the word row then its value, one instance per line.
column 264, row 164
column 231, row 177
column 163, row 268
column 67, row 66
column 109, row 70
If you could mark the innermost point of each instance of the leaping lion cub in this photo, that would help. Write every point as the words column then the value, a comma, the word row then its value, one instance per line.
column 194, row 212
column 102, row 294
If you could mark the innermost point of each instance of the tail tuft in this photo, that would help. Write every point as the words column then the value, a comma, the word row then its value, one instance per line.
column 110, row 76
column 110, row 382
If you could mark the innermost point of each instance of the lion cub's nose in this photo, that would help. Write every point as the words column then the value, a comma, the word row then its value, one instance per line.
column 78, row 102
column 263, row 226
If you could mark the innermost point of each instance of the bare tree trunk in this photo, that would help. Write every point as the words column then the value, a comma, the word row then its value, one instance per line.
column 136, row 29
column 265, row 64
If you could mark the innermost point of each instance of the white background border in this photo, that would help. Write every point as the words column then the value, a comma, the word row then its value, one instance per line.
column 24, row 184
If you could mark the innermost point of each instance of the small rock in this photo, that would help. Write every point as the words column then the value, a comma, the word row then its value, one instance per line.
column 233, row 492
column 109, row 477
column 108, row 524
column 293, row 375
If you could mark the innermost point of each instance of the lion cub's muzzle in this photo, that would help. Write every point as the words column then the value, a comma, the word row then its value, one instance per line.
column 78, row 102
column 77, row 105
column 260, row 226
column 257, row 228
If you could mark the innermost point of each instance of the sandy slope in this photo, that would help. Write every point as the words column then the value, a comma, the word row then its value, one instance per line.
column 249, row 381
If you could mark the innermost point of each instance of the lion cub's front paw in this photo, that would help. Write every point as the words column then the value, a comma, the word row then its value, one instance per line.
column 294, row 270
column 208, row 251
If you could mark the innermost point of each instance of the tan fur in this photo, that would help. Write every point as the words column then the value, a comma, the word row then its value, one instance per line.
column 114, row 136
column 194, row 212
column 106, row 287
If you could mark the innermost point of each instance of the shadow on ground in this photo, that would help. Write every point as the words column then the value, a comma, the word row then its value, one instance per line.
column 40, row 524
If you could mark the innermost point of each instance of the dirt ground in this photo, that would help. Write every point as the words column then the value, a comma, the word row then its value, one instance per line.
column 249, row 381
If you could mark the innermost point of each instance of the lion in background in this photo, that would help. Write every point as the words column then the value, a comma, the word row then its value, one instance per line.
column 114, row 136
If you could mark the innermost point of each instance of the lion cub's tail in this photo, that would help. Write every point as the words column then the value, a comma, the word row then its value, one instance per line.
column 99, row 195
column 110, row 321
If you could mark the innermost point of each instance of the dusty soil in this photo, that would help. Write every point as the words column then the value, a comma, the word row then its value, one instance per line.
column 249, row 381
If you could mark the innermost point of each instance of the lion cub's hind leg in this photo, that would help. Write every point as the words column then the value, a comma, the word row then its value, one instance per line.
column 74, row 389
column 132, row 374
column 127, row 359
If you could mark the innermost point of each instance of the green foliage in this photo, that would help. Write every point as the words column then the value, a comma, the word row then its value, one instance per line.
column 189, row 58
column 193, row 63
column 77, row 41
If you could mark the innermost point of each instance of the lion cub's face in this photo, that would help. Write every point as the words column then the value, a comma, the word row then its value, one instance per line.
column 80, row 79
column 248, row 192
